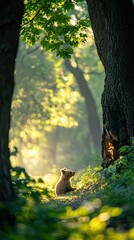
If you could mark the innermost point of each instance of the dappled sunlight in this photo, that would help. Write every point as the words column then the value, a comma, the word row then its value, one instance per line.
column 104, row 216
column 131, row 233
column 96, row 225
column 112, row 211
column 51, row 179
column 65, row 198
column 92, row 205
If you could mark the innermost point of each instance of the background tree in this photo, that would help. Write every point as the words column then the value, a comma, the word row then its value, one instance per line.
column 93, row 119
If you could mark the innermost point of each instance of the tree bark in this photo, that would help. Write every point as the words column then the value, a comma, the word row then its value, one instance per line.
column 113, row 26
column 11, row 12
column 93, row 120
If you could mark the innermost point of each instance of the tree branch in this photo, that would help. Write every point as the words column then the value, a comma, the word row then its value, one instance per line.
column 31, row 20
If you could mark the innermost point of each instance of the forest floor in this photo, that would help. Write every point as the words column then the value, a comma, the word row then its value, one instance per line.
column 73, row 199
column 101, row 207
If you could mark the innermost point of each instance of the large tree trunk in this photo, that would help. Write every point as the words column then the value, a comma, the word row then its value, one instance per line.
column 113, row 26
column 11, row 12
column 93, row 120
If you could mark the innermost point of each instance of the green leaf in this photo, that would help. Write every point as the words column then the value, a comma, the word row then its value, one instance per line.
column 124, row 149
column 132, row 140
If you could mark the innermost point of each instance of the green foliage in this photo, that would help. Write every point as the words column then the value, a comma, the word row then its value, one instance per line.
column 27, row 187
column 127, row 156
column 55, row 24
column 90, row 179
column 14, row 152
column 100, row 208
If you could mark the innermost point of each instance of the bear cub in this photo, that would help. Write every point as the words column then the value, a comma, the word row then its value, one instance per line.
column 64, row 184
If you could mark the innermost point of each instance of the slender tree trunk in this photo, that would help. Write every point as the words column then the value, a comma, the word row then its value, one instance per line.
column 93, row 120
column 11, row 12
column 113, row 25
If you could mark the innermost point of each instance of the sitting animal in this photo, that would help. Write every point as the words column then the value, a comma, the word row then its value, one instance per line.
column 64, row 184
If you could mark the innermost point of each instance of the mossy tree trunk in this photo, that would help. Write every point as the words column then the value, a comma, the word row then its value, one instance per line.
column 11, row 12
column 113, row 26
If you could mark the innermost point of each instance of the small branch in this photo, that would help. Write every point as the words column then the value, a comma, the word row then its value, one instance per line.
column 33, row 16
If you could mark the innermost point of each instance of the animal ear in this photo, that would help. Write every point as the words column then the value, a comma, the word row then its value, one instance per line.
column 63, row 170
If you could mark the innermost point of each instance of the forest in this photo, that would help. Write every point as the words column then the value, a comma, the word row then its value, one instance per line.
column 66, row 120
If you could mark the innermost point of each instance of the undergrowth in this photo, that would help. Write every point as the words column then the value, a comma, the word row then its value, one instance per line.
column 102, row 207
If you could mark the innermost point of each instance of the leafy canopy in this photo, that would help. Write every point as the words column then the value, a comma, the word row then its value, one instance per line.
column 58, row 25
